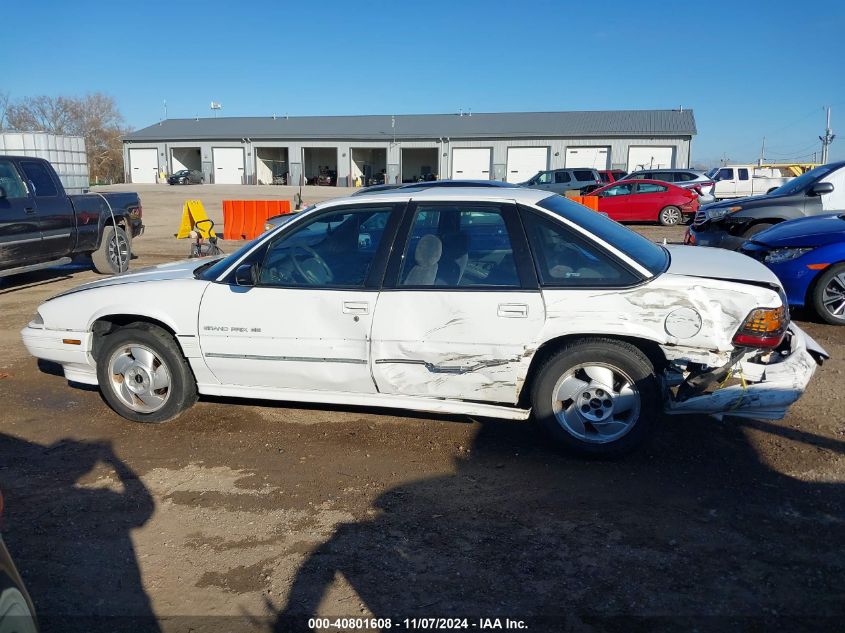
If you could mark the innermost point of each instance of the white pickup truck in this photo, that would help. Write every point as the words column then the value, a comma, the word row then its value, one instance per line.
column 742, row 181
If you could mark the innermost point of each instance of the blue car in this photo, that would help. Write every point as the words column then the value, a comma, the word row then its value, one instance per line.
column 808, row 256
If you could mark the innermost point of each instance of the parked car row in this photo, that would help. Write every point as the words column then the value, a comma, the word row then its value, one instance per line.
column 797, row 230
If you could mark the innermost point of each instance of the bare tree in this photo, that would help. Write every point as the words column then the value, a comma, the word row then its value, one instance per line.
column 95, row 117
column 4, row 106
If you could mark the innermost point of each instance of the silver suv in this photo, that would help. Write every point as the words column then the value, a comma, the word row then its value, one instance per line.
column 563, row 180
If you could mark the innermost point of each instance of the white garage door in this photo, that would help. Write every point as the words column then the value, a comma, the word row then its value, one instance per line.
column 228, row 165
column 590, row 157
column 524, row 162
column 471, row 163
column 649, row 158
column 143, row 165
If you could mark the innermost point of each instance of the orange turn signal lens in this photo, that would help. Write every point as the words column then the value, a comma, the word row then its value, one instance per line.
column 71, row 341
column 817, row 266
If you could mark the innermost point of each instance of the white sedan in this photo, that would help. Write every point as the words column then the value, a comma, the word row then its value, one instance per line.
column 498, row 302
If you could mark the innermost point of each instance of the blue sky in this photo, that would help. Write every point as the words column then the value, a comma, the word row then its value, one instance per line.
column 747, row 69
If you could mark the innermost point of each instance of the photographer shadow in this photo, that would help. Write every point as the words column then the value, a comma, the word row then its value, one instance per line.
column 70, row 533
column 695, row 529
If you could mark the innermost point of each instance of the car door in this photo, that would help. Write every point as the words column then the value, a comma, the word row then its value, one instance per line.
column 744, row 184
column 648, row 199
column 20, row 236
column 460, row 311
column 305, row 323
column 725, row 183
column 55, row 213
column 543, row 180
column 616, row 201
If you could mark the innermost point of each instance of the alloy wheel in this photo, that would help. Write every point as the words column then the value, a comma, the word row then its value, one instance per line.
column 139, row 378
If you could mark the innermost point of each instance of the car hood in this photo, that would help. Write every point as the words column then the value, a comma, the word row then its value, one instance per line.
column 819, row 230
column 718, row 263
column 163, row 272
column 746, row 203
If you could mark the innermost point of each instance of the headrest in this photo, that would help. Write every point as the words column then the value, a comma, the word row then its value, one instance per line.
column 429, row 249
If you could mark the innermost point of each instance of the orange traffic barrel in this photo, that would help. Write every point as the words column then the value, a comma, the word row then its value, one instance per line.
column 245, row 219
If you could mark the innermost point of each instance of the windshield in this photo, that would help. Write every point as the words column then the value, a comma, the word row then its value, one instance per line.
column 646, row 253
column 799, row 184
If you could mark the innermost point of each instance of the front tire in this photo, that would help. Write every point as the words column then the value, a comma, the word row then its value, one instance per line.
column 757, row 228
column 143, row 375
column 829, row 295
column 597, row 397
column 114, row 253
column 670, row 216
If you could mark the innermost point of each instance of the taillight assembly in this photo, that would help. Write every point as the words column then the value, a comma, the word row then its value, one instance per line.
column 764, row 327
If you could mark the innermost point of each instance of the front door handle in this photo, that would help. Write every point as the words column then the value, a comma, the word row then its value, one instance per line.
column 356, row 307
column 513, row 310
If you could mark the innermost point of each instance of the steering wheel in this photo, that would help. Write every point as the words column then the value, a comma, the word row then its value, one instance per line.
column 309, row 274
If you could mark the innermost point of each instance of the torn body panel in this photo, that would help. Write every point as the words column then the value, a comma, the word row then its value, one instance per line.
column 769, row 382
column 455, row 344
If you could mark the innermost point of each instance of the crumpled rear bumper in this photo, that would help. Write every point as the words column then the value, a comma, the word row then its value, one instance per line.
column 770, row 388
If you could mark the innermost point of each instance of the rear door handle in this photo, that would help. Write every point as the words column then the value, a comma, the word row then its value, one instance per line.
column 29, row 210
column 513, row 310
column 356, row 307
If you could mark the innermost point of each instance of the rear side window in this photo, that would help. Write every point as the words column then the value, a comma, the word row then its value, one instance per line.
column 582, row 174
column 11, row 181
column 648, row 187
column 40, row 179
column 665, row 176
column 743, row 173
column 684, row 176
column 561, row 176
column 564, row 259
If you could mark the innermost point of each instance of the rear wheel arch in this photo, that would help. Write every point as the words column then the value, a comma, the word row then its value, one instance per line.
column 549, row 348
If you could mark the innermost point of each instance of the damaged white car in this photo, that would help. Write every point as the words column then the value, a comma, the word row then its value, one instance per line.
column 495, row 302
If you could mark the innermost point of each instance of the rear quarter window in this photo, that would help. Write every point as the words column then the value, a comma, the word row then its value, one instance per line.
column 583, row 175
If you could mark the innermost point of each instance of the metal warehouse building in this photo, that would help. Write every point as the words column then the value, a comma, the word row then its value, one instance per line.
column 510, row 146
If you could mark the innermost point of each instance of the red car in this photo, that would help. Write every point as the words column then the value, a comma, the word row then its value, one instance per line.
column 611, row 175
column 647, row 201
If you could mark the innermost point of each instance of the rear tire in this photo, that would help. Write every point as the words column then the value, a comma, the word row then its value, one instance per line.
column 114, row 253
column 829, row 295
column 143, row 375
column 670, row 216
column 597, row 397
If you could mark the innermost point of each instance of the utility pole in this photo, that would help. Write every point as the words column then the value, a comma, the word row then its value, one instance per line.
column 762, row 152
column 827, row 139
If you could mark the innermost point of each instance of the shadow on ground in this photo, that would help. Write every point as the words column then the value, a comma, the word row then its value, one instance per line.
column 695, row 531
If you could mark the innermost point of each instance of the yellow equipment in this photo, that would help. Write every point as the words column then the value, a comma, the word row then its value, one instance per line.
column 193, row 213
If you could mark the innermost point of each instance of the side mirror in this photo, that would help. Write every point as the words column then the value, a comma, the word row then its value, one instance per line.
column 2, row 193
column 821, row 188
column 246, row 275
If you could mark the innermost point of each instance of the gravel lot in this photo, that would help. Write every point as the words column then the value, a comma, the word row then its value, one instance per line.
column 267, row 513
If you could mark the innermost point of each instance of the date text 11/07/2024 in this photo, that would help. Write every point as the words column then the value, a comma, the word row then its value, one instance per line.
column 413, row 624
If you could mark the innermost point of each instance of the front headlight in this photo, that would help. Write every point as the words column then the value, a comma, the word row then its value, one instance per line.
column 718, row 214
column 37, row 321
column 780, row 255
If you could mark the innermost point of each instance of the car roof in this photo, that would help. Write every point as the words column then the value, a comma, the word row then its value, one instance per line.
column 446, row 194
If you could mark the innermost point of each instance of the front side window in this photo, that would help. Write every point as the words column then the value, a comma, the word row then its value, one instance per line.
column 543, row 178
column 40, row 179
column 565, row 259
column 11, row 181
column 726, row 173
column 561, row 177
column 333, row 250
column 459, row 247
column 637, row 176
column 648, row 187
column 617, row 190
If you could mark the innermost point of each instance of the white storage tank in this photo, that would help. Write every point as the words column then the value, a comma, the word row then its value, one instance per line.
column 66, row 153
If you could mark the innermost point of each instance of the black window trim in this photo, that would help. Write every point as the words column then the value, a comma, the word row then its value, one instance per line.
column 642, row 280
column 372, row 282
column 519, row 243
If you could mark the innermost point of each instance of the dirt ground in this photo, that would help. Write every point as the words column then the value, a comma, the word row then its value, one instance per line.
column 253, row 515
